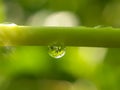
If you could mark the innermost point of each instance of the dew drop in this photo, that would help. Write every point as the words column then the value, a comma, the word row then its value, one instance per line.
column 56, row 51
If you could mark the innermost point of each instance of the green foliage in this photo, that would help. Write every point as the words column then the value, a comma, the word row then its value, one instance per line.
column 32, row 5
column 25, row 67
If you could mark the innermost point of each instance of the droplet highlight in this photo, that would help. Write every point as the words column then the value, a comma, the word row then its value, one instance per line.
column 56, row 51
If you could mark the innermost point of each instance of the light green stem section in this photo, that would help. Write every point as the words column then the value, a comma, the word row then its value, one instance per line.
column 69, row 36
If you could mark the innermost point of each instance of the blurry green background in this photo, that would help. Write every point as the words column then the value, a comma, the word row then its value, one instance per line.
column 82, row 68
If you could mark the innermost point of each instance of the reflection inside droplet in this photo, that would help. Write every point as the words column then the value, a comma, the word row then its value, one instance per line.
column 56, row 51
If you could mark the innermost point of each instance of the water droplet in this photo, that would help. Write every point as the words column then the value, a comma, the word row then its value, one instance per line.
column 56, row 51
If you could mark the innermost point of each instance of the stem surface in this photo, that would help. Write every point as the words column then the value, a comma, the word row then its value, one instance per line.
column 69, row 36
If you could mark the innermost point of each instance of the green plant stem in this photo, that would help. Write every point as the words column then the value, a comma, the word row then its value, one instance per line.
column 70, row 36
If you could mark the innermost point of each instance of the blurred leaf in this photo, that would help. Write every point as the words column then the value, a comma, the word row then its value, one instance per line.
column 32, row 5
column 29, row 59
column 68, row 5
column 2, row 11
